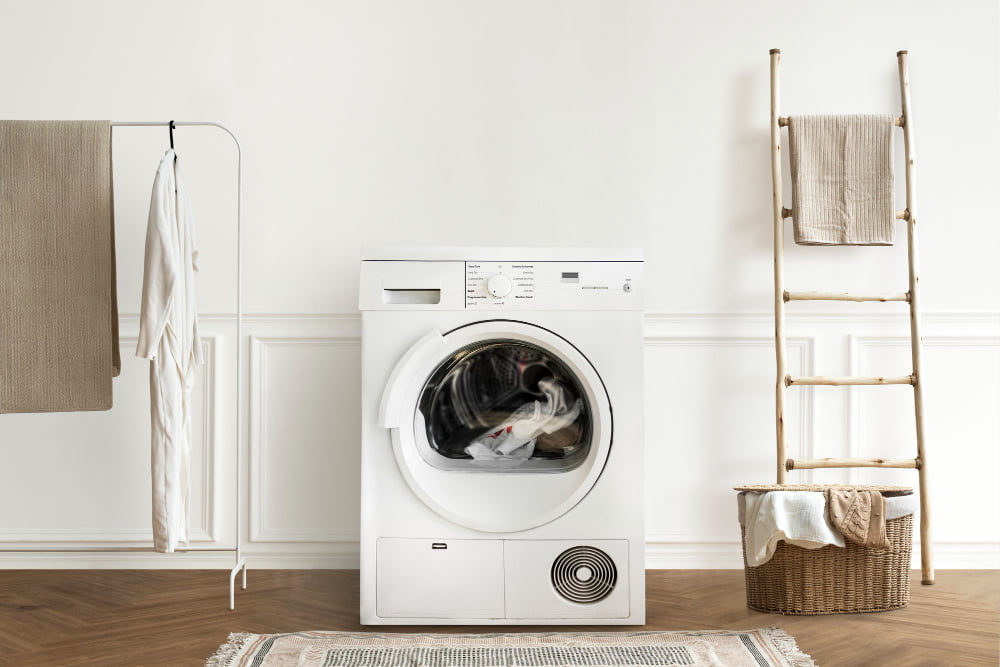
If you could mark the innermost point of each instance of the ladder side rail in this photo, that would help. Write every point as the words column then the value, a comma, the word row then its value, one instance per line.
column 779, row 271
column 926, row 562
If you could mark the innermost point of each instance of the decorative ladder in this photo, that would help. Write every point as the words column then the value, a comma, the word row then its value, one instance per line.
column 781, row 296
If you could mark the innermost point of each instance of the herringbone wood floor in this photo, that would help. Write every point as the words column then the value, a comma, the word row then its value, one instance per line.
column 179, row 617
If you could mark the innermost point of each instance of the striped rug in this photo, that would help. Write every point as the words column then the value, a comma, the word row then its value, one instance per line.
column 763, row 647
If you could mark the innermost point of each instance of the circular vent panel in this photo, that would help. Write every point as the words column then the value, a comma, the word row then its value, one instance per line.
column 584, row 574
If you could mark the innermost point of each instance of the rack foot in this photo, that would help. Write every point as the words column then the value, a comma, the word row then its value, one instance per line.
column 240, row 565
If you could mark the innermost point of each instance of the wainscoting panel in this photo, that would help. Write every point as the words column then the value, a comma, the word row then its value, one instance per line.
column 304, row 456
column 962, row 428
column 83, row 479
column 76, row 479
column 694, row 455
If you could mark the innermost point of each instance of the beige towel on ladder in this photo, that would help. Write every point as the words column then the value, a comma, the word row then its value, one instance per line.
column 842, row 179
column 58, row 306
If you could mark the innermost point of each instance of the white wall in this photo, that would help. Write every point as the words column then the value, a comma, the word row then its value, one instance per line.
column 530, row 123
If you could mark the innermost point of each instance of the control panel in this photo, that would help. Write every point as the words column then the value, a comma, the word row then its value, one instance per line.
column 500, row 285
column 488, row 280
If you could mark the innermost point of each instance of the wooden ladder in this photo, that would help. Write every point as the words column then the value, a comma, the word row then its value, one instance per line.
column 781, row 296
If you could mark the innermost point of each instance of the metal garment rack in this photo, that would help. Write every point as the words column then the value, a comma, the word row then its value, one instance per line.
column 781, row 296
column 240, row 565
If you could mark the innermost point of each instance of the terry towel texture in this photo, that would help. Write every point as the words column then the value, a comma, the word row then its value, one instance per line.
column 58, row 305
column 842, row 179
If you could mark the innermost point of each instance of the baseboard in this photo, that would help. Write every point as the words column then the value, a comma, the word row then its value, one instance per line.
column 963, row 556
column 693, row 556
column 659, row 556
column 728, row 555
column 80, row 560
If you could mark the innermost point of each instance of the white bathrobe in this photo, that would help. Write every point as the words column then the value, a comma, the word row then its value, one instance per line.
column 168, row 337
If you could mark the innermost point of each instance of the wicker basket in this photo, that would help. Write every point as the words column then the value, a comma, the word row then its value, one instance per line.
column 833, row 580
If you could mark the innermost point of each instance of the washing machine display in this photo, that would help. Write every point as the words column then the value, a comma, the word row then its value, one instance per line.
column 500, row 404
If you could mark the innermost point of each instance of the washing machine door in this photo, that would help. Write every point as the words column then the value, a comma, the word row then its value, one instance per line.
column 499, row 426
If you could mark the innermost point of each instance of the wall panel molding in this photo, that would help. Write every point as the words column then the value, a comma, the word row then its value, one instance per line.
column 261, row 445
column 666, row 554
column 829, row 342
column 707, row 321
column 856, row 347
column 204, row 525
column 800, row 349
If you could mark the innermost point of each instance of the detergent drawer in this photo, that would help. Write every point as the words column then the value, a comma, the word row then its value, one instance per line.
column 423, row 578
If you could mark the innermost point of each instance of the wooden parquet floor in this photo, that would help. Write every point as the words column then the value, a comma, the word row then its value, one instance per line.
column 179, row 617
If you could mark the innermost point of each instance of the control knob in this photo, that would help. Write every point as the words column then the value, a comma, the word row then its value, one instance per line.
column 499, row 285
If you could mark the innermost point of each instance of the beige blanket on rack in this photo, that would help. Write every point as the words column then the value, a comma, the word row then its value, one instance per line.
column 842, row 179
column 58, row 305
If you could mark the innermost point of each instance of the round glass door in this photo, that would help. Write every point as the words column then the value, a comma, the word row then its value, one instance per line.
column 499, row 426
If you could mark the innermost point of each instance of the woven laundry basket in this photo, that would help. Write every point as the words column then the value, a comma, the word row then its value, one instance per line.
column 833, row 580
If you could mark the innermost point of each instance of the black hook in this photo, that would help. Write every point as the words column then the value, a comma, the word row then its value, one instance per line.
column 171, row 135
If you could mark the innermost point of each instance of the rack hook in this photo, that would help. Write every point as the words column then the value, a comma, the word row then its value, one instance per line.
column 172, row 135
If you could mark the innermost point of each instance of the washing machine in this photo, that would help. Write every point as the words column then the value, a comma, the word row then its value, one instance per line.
column 502, row 436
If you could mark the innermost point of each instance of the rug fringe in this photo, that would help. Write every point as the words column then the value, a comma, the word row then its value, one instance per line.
column 227, row 652
column 785, row 643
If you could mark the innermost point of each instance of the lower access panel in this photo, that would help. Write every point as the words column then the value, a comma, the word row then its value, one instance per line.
column 439, row 578
column 566, row 579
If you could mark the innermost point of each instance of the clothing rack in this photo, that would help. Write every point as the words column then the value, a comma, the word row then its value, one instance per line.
column 240, row 565
column 781, row 296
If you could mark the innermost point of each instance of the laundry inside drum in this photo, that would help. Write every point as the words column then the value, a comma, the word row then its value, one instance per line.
column 506, row 405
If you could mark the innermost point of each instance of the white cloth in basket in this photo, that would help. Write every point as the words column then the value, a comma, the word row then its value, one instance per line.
column 797, row 517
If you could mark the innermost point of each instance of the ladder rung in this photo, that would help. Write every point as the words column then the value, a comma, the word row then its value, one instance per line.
column 899, row 121
column 844, row 296
column 899, row 215
column 791, row 380
column 803, row 464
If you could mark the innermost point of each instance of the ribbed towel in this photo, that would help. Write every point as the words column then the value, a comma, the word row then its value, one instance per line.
column 58, row 305
column 842, row 179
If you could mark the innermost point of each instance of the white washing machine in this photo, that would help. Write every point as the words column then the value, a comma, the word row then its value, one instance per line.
column 502, row 436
